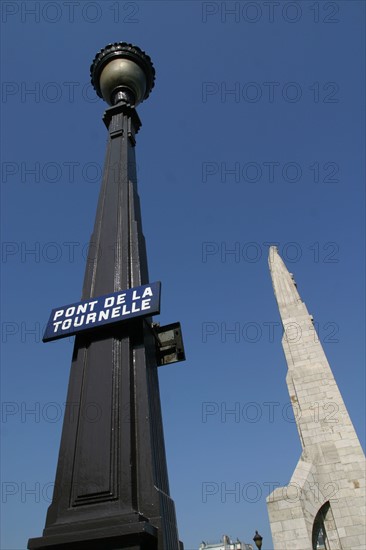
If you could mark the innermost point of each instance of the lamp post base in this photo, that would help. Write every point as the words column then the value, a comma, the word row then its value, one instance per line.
column 133, row 536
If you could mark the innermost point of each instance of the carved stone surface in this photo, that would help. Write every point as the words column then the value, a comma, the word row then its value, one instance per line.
column 327, row 489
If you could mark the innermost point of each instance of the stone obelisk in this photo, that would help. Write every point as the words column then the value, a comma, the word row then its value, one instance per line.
column 323, row 506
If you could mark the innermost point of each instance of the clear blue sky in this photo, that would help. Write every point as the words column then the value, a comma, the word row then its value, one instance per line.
column 275, row 93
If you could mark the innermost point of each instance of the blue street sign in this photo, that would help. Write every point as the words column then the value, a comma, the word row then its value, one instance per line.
column 104, row 310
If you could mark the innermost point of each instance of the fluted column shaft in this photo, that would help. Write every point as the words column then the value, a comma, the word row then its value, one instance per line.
column 111, row 483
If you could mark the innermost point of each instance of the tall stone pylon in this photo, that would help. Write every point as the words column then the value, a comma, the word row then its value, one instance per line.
column 323, row 506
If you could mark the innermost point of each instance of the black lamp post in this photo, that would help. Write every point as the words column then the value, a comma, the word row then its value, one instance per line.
column 258, row 540
column 111, row 489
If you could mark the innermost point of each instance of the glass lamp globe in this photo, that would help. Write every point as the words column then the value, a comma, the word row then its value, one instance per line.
column 258, row 540
column 122, row 73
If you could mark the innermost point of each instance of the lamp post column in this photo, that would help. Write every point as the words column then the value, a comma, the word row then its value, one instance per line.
column 111, row 489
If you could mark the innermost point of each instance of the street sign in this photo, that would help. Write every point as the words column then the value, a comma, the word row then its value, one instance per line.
column 104, row 310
